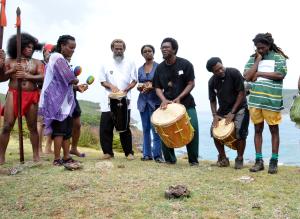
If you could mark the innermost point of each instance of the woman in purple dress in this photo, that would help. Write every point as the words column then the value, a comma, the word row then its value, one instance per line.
column 57, row 100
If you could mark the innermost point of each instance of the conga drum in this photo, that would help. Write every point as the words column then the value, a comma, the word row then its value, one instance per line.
column 119, row 110
column 173, row 125
column 225, row 134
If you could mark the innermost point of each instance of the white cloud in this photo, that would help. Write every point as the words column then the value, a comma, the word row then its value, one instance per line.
column 202, row 28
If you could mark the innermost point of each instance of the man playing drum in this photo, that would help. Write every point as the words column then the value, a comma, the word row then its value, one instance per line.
column 227, row 85
column 174, row 79
column 117, row 75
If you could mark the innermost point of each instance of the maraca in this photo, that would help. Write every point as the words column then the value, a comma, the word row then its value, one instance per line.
column 90, row 80
column 77, row 70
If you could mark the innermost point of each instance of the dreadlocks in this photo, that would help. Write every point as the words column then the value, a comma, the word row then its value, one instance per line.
column 267, row 39
column 26, row 39
column 62, row 40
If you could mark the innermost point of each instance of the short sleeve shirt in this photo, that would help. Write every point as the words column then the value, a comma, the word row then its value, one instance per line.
column 150, row 97
column 173, row 79
column 120, row 74
column 266, row 93
column 226, row 89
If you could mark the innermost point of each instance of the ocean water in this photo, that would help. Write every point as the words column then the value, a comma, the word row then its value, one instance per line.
column 289, row 150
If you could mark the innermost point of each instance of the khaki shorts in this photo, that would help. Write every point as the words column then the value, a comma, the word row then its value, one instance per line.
column 259, row 115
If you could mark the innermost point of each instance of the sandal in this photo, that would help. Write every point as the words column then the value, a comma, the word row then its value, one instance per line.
column 77, row 154
column 82, row 155
column 58, row 162
column 69, row 160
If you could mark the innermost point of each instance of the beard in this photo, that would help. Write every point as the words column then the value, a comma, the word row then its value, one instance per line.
column 118, row 58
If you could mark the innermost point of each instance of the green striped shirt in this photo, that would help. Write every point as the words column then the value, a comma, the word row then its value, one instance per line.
column 265, row 93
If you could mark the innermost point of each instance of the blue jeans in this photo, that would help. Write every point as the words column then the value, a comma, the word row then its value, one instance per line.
column 147, row 126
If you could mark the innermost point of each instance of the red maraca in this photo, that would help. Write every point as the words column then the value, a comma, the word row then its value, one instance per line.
column 77, row 70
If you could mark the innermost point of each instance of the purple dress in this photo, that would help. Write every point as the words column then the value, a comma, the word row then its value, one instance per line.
column 57, row 98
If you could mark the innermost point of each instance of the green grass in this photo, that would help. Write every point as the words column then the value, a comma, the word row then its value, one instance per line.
column 89, row 137
column 90, row 113
column 135, row 189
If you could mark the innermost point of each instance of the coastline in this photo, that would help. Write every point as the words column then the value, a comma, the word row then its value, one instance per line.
column 289, row 138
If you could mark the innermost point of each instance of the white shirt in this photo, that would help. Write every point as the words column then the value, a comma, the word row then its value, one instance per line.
column 119, row 74
column 265, row 66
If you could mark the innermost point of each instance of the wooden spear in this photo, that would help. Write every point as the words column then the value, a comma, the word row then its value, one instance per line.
column 18, row 26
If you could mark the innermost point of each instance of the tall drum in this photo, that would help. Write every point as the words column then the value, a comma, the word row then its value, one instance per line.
column 119, row 110
column 173, row 125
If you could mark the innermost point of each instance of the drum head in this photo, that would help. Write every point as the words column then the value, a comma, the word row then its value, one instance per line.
column 167, row 116
column 117, row 95
column 223, row 131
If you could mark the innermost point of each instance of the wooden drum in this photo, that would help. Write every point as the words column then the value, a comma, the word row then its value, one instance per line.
column 173, row 125
column 225, row 134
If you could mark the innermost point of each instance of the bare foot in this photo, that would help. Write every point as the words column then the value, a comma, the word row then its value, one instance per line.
column 36, row 158
column 48, row 151
column 41, row 153
column 77, row 153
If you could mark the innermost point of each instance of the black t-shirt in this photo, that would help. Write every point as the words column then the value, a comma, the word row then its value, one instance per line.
column 226, row 89
column 77, row 109
column 173, row 79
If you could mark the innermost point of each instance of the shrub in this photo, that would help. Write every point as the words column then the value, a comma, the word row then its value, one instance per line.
column 89, row 137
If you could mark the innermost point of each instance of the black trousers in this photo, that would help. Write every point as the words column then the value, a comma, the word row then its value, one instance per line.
column 106, row 135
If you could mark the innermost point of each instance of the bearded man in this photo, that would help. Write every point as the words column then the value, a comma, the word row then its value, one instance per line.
column 117, row 75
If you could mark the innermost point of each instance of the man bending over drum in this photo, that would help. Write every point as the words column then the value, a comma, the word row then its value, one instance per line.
column 118, row 75
column 227, row 85
column 174, row 79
